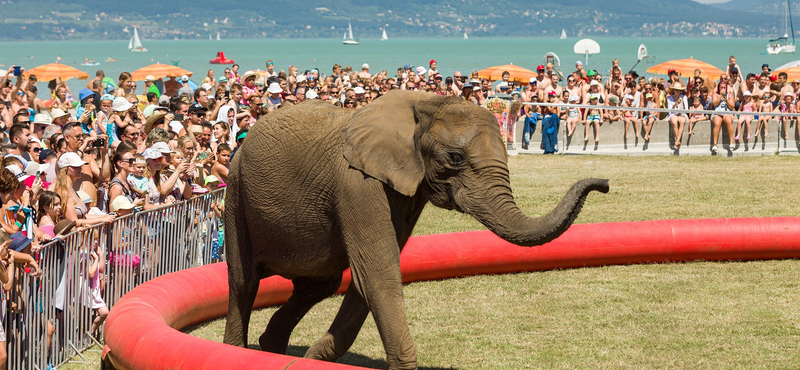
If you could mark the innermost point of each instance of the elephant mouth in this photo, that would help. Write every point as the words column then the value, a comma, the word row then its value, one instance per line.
column 451, row 199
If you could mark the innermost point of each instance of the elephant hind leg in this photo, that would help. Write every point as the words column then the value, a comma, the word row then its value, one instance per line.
column 307, row 292
column 343, row 331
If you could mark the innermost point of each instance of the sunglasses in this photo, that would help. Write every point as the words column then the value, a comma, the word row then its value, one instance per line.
column 21, row 94
column 37, row 150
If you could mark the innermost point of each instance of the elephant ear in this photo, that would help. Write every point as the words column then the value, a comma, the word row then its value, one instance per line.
column 381, row 141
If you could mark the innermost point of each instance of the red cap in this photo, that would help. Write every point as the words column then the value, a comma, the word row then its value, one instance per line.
column 773, row 78
column 540, row 68
column 671, row 71
column 551, row 93
column 432, row 61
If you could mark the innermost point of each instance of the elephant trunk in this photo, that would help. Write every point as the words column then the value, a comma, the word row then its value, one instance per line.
column 501, row 215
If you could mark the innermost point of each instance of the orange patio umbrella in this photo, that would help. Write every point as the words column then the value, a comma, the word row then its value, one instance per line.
column 518, row 74
column 159, row 70
column 52, row 71
column 686, row 67
column 793, row 72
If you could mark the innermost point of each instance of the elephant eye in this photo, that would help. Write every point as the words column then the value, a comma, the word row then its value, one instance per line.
column 456, row 158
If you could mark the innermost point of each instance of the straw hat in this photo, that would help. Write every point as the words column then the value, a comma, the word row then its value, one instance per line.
column 155, row 117
column 56, row 113
column 678, row 86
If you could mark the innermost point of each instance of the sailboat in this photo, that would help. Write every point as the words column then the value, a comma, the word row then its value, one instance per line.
column 563, row 34
column 135, row 44
column 217, row 36
column 781, row 45
column 383, row 36
column 465, row 36
column 348, row 37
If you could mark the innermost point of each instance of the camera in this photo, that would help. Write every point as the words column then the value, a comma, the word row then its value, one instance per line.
column 178, row 116
column 99, row 143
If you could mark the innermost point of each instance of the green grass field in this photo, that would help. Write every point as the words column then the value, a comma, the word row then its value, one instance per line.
column 690, row 315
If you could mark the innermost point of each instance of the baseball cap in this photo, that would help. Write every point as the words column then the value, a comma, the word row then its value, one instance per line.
column 162, row 147
column 671, row 71
column 765, row 65
column 579, row 63
column 539, row 68
column 359, row 90
column 311, row 94
column 551, row 93
column 70, row 159
column 45, row 153
column 432, row 61
column 85, row 198
column 196, row 107
column 591, row 73
column 211, row 179
column 365, row 66
column 185, row 78
column 163, row 99
column 407, row 66
column 108, row 97
column 14, row 169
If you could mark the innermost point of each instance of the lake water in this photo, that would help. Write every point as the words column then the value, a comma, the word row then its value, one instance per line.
column 451, row 53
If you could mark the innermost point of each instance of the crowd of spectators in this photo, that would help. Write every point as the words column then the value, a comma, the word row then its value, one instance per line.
column 118, row 147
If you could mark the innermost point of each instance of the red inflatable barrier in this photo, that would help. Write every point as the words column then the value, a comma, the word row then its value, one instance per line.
column 142, row 329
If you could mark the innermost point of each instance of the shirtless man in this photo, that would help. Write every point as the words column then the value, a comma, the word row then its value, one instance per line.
column 542, row 82
column 554, row 87
column 785, row 87
column 762, row 87
column 748, row 85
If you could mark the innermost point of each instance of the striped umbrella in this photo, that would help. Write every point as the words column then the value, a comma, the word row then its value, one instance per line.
column 686, row 68
column 517, row 74
column 52, row 71
column 159, row 70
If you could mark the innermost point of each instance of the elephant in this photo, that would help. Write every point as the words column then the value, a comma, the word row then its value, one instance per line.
column 316, row 189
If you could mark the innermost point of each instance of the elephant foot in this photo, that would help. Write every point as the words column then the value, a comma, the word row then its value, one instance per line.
column 324, row 349
column 272, row 346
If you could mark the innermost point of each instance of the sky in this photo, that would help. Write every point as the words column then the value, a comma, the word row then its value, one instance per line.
column 711, row 1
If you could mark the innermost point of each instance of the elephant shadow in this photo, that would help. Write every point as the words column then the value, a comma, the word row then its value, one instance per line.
column 349, row 358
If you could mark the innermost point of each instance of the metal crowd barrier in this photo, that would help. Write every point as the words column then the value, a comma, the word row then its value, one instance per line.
column 50, row 317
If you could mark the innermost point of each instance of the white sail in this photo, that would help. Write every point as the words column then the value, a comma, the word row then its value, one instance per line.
column 135, row 44
column 465, row 36
column 348, row 37
column 782, row 45
column 383, row 36
column 209, row 37
column 563, row 34
column 217, row 36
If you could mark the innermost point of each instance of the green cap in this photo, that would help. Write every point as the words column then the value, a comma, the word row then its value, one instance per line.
column 241, row 135
column 591, row 73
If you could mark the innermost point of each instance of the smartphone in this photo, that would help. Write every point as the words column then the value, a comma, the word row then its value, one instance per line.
column 17, row 71
column 202, row 155
column 178, row 117
column 99, row 143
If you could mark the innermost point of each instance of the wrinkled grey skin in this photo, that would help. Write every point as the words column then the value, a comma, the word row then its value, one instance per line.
column 316, row 189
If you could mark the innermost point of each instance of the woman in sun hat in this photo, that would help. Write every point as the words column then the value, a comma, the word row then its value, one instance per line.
column 70, row 169
column 678, row 101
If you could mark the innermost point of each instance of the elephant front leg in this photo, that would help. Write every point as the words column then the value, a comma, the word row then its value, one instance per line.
column 376, row 277
column 344, row 330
